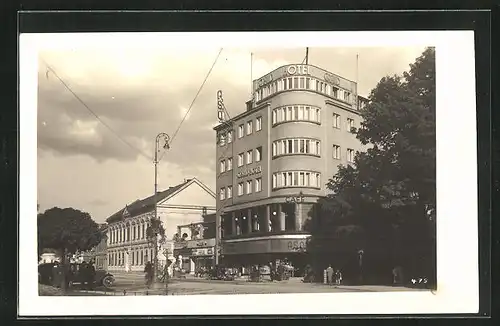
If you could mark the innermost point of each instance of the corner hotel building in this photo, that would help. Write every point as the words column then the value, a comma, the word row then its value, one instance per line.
column 274, row 160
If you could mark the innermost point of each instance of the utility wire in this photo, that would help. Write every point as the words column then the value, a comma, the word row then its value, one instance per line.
column 192, row 103
column 93, row 113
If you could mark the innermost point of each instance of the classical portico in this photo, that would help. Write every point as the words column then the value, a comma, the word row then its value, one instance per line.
column 128, row 248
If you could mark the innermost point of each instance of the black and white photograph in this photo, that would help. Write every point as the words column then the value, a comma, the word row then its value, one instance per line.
column 283, row 172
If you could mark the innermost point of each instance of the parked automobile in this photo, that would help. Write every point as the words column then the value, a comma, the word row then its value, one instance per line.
column 77, row 275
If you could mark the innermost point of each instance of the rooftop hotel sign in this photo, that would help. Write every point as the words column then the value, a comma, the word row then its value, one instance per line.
column 305, row 70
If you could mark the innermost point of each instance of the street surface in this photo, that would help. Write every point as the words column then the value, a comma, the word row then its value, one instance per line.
column 133, row 284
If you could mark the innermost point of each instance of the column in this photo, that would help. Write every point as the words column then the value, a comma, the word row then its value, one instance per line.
column 298, row 217
column 249, row 221
column 267, row 217
column 281, row 218
column 233, row 223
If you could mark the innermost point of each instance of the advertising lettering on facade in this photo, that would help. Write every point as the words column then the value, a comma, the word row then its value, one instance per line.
column 297, row 70
column 296, row 245
column 249, row 172
column 202, row 252
column 264, row 80
column 307, row 70
column 221, row 116
column 295, row 199
column 201, row 243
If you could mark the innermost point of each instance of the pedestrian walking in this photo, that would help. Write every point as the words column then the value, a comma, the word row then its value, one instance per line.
column 148, row 269
column 329, row 275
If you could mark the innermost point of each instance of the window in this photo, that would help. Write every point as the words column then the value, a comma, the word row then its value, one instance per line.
column 350, row 155
column 240, row 159
column 296, row 146
column 222, row 166
column 240, row 188
column 336, row 121
column 229, row 164
column 350, row 124
column 296, row 179
column 240, row 131
column 229, row 137
column 249, row 127
column 258, row 154
column 347, row 96
column 249, row 156
column 249, row 186
column 221, row 138
column 222, row 193
column 258, row 184
column 258, row 124
column 336, row 152
column 229, row 192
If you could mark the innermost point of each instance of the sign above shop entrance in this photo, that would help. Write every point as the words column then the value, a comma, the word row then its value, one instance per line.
column 265, row 246
column 297, row 69
column 295, row 199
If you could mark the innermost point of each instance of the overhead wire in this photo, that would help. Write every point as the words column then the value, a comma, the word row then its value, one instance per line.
column 52, row 70
column 192, row 103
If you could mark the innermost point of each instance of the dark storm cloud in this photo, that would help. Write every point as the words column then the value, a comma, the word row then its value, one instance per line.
column 98, row 202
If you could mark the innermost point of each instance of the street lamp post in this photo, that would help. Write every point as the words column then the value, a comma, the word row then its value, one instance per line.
column 166, row 139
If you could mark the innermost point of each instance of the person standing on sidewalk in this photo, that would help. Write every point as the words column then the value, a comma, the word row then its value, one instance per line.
column 329, row 275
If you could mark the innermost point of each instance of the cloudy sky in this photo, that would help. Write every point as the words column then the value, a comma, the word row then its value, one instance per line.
column 140, row 91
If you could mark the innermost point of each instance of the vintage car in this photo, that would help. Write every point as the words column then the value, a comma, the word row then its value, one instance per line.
column 78, row 273
column 46, row 273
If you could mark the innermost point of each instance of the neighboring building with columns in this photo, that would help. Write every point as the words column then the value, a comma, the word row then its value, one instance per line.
column 128, row 248
column 101, row 250
column 274, row 160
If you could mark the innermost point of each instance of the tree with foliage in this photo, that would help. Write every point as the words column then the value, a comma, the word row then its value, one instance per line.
column 67, row 230
column 155, row 235
column 385, row 202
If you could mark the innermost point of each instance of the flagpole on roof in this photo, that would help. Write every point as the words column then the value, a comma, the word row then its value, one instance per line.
column 251, row 73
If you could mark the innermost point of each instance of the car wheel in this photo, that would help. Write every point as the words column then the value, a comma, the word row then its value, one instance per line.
column 107, row 281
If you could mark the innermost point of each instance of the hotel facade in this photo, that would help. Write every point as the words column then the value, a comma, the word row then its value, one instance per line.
column 275, row 158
